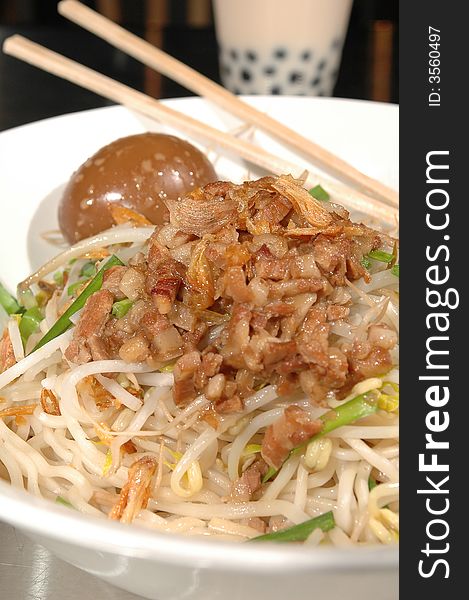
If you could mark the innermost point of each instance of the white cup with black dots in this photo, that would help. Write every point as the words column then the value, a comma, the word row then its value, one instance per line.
column 288, row 47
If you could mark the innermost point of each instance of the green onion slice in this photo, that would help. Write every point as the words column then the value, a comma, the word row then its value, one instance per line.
column 72, row 288
column 301, row 532
column 64, row 323
column 8, row 302
column 395, row 270
column 251, row 449
column 365, row 262
column 26, row 299
column 319, row 193
column 88, row 270
column 122, row 307
column 59, row 278
column 61, row 500
column 357, row 408
column 380, row 256
column 29, row 323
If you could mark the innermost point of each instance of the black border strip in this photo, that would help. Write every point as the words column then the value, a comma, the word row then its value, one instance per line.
column 434, row 235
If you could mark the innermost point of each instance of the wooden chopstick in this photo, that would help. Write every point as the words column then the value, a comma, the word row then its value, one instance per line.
column 201, row 85
column 50, row 61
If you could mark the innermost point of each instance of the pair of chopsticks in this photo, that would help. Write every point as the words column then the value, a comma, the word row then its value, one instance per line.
column 371, row 197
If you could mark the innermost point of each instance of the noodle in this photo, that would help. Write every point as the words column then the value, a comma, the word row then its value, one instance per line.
column 220, row 422
column 242, row 439
column 244, row 510
column 374, row 459
column 26, row 363
column 15, row 338
column 345, row 497
column 301, row 491
column 116, row 235
column 119, row 392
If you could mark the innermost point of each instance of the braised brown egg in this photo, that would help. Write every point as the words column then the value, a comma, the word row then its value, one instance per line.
column 137, row 172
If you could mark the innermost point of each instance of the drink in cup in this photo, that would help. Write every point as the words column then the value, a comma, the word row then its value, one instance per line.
column 290, row 47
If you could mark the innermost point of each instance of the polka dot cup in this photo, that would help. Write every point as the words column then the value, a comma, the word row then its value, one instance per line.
column 290, row 47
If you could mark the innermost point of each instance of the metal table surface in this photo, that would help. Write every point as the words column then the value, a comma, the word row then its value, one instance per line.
column 30, row 572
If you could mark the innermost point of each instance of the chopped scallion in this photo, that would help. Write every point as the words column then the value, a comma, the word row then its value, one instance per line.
column 27, row 299
column 59, row 278
column 61, row 500
column 121, row 308
column 319, row 193
column 357, row 408
column 395, row 270
column 380, row 256
column 251, row 449
column 88, row 270
column 300, row 532
column 64, row 323
column 8, row 302
column 29, row 323
column 73, row 287
column 365, row 262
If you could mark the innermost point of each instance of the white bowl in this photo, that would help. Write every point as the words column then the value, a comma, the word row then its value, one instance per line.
column 172, row 567
column 36, row 161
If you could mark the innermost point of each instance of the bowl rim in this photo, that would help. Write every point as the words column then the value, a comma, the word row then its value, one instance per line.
column 251, row 98
column 42, row 517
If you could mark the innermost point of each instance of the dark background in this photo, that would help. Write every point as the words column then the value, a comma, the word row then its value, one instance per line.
column 184, row 28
